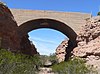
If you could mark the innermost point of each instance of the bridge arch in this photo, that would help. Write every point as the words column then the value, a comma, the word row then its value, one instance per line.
column 47, row 23
column 28, row 26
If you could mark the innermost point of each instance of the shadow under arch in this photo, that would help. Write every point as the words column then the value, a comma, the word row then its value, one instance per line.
column 28, row 26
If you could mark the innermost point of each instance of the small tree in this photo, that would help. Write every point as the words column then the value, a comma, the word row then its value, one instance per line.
column 53, row 58
column 98, row 14
column 2, row 3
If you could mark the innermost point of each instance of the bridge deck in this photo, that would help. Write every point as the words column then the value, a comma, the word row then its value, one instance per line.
column 73, row 19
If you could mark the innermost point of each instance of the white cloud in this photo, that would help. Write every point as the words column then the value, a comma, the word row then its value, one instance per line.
column 44, row 47
column 44, row 50
column 42, row 40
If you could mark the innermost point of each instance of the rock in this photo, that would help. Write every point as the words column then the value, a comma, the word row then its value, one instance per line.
column 9, row 36
column 47, row 63
column 61, row 51
column 89, row 43
column 88, row 46
column 45, row 70
column 8, row 30
column 88, row 40
column 27, row 47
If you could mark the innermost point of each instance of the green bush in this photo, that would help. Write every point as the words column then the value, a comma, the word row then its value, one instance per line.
column 98, row 14
column 11, row 63
column 44, row 58
column 52, row 58
column 73, row 66
column 2, row 3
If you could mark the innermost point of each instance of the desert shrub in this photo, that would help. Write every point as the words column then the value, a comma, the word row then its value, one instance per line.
column 73, row 66
column 2, row 3
column 11, row 63
column 98, row 13
column 43, row 59
column 53, row 58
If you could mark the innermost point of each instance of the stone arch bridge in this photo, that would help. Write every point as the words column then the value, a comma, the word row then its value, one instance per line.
column 15, row 34
column 72, row 19
column 69, row 23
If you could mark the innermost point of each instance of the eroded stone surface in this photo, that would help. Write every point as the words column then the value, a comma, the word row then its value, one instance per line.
column 61, row 51
column 10, row 38
column 89, row 39
column 8, row 30
column 89, row 43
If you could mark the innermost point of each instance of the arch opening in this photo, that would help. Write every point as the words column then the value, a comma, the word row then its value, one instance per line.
column 46, row 40
column 47, row 23
column 27, row 27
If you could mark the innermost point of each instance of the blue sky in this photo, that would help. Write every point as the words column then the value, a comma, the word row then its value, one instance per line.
column 46, row 40
column 87, row 6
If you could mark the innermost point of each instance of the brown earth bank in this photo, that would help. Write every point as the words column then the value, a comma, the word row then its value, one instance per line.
column 9, row 36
